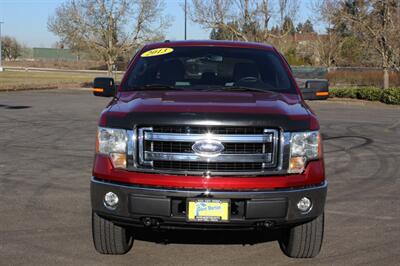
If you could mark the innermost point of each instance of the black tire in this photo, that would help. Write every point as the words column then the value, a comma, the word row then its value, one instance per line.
column 109, row 238
column 305, row 240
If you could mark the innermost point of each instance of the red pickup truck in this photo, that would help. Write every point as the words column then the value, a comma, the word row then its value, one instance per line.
column 207, row 135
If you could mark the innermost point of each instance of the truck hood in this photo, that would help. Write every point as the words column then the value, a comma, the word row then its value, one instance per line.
column 270, row 109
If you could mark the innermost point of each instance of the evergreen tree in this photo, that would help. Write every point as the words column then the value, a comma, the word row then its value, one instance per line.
column 288, row 26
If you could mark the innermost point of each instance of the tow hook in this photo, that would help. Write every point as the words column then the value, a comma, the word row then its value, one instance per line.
column 265, row 225
column 150, row 222
column 269, row 224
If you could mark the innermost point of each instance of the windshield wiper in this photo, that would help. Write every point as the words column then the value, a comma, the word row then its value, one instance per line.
column 243, row 88
column 153, row 87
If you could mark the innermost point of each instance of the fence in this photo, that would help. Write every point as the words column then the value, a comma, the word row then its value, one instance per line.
column 50, row 54
column 347, row 76
column 53, row 54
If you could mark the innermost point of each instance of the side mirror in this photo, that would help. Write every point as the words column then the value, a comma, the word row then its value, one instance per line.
column 316, row 89
column 104, row 87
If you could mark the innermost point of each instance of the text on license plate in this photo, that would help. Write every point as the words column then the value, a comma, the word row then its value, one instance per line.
column 208, row 210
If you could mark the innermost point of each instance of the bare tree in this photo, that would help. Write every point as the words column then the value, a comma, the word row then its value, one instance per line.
column 109, row 28
column 216, row 14
column 327, row 46
column 10, row 48
column 265, row 12
column 377, row 24
column 247, row 20
column 287, row 9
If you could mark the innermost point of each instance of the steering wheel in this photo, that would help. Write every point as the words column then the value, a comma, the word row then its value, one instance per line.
column 248, row 79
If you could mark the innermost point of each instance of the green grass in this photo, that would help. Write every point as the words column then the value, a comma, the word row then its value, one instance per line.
column 13, row 80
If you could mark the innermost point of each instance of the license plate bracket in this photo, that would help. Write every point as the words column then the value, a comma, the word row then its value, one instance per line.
column 208, row 210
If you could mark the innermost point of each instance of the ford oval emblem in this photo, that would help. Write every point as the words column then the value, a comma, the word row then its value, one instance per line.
column 208, row 148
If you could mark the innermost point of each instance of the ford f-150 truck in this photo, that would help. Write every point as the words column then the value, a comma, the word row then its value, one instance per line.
column 207, row 135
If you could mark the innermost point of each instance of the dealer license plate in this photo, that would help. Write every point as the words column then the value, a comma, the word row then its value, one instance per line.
column 207, row 210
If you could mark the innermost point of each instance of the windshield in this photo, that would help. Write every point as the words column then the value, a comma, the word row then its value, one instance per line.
column 209, row 68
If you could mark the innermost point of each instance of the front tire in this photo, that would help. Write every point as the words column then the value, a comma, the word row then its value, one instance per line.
column 109, row 238
column 304, row 240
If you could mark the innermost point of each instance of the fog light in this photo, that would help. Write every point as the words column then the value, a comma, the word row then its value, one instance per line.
column 304, row 204
column 111, row 200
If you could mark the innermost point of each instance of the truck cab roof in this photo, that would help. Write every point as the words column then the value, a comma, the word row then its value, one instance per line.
column 237, row 44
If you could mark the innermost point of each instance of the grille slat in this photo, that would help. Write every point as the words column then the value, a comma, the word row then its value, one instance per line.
column 213, row 130
column 230, row 148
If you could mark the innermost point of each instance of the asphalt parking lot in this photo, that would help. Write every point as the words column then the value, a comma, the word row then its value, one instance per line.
column 47, row 142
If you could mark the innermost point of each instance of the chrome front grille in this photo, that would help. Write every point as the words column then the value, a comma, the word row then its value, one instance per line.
column 170, row 149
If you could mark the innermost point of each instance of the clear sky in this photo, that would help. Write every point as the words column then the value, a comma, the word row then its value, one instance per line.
column 26, row 20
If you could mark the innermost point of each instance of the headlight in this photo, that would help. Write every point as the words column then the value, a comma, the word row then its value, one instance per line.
column 113, row 142
column 304, row 146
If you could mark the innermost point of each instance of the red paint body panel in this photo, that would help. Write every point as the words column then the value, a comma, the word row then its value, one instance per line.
column 290, row 105
column 204, row 102
column 314, row 174
column 268, row 103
